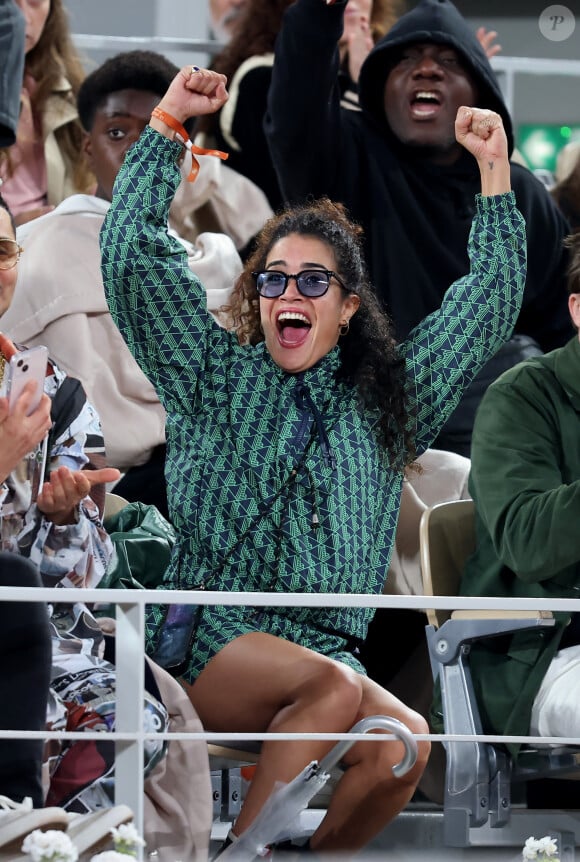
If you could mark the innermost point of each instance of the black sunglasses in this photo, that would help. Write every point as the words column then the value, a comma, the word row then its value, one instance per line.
column 312, row 283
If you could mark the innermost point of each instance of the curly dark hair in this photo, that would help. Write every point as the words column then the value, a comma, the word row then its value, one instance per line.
column 129, row 70
column 53, row 57
column 369, row 358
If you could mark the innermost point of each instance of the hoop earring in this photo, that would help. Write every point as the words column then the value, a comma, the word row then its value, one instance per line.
column 344, row 327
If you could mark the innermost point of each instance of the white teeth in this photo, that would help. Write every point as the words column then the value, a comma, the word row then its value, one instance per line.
column 425, row 94
column 292, row 315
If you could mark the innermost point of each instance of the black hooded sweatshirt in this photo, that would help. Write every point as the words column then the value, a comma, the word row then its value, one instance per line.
column 416, row 215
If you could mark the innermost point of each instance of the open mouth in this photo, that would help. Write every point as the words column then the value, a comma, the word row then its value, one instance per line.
column 425, row 103
column 293, row 328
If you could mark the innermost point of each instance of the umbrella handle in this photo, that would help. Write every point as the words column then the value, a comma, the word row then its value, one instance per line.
column 376, row 722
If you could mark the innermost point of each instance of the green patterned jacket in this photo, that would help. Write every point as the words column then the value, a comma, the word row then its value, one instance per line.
column 236, row 424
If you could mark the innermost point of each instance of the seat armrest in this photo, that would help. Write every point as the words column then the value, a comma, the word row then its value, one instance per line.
column 446, row 642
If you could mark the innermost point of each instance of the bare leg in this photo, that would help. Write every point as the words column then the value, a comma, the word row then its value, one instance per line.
column 277, row 686
column 368, row 796
column 263, row 683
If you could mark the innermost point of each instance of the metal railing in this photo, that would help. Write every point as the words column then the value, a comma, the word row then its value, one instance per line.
column 129, row 736
column 509, row 67
column 89, row 41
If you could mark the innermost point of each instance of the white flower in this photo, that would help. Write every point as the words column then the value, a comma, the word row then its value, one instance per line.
column 126, row 839
column 50, row 846
column 542, row 849
column 548, row 846
column 530, row 850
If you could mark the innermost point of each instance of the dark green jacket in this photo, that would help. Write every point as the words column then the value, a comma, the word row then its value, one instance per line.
column 525, row 480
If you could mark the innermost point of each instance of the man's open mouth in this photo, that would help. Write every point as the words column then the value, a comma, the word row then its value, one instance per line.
column 425, row 103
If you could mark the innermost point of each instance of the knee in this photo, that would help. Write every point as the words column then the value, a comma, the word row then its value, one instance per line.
column 419, row 726
column 389, row 753
column 339, row 689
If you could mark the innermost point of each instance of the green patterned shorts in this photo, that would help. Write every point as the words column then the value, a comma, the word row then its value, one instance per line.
column 219, row 625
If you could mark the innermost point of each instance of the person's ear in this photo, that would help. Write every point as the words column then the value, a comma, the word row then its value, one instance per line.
column 87, row 148
column 351, row 304
column 574, row 309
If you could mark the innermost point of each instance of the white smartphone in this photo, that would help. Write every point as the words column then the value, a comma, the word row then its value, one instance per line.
column 27, row 365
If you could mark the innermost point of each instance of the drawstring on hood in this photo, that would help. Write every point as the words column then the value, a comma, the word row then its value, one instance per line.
column 304, row 402
column 431, row 21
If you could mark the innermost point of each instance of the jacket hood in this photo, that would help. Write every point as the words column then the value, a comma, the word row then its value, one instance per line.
column 436, row 21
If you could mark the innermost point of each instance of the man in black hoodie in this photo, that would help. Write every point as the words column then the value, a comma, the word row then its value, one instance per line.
column 398, row 169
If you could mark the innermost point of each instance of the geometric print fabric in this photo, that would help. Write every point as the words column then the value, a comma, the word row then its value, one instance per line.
column 237, row 426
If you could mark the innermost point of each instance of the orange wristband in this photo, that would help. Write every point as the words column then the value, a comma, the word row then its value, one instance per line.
column 182, row 137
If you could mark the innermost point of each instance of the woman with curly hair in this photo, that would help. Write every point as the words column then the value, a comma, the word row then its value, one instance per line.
column 247, row 64
column 369, row 359
column 286, row 448
column 45, row 164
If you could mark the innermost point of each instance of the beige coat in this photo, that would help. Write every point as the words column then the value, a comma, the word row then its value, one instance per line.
column 178, row 808
column 60, row 109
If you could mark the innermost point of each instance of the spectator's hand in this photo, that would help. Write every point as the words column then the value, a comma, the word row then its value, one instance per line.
column 358, row 42
column 486, row 40
column 19, row 433
column 481, row 132
column 65, row 488
column 108, row 625
column 194, row 92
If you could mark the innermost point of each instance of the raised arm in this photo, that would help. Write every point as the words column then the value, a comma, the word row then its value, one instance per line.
column 302, row 123
column 482, row 134
column 544, row 316
column 478, row 312
column 155, row 300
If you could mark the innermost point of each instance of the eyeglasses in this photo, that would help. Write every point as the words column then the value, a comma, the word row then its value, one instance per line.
column 312, row 283
column 10, row 252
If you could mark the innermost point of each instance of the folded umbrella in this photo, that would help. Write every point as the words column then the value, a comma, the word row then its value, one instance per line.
column 277, row 821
